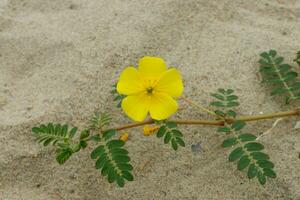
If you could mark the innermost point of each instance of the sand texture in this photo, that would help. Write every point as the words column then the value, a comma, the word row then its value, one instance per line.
column 59, row 58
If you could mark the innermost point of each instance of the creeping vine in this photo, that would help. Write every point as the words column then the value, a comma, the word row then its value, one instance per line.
column 113, row 160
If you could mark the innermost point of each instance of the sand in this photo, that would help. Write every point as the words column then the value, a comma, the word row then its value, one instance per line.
column 59, row 58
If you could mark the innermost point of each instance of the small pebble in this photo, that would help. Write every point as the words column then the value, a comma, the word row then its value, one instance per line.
column 73, row 6
column 196, row 148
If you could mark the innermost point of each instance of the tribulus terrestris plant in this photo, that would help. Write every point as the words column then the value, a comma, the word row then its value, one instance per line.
column 148, row 95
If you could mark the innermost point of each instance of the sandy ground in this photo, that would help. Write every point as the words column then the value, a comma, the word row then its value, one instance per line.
column 59, row 58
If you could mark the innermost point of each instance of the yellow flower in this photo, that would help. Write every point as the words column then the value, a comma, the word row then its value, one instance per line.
column 149, row 130
column 150, row 88
column 124, row 137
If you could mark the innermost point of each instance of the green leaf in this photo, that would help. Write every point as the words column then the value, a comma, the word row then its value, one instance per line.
column 243, row 162
column 96, row 138
column 101, row 161
column 236, row 154
column 272, row 52
column 57, row 129
column 232, row 104
column 284, row 67
column 295, row 86
column 252, row 171
column 113, row 161
column 269, row 173
column 127, row 175
column 47, row 141
column 174, row 144
column 125, row 166
column 247, row 137
column 36, row 130
column 83, row 144
column 274, row 71
column 177, row 133
column 265, row 55
column 263, row 62
column 231, row 113
column 64, row 130
column 109, row 134
column 106, row 168
column 180, row 141
column 44, row 128
column 167, row 138
column 119, row 151
column 118, row 97
column 99, row 120
column 229, row 142
column 63, row 155
column 238, row 125
column 111, row 175
column 219, row 112
column 231, row 97
column 259, row 155
column 217, row 104
column 51, row 134
column 84, row 134
column 265, row 164
column 278, row 60
column 225, row 99
column 224, row 129
column 97, row 151
column 115, row 144
column 223, row 91
column 63, row 145
column 218, row 96
column 254, row 146
column 121, row 158
column 72, row 132
column 161, row 131
column 261, row 178
column 279, row 90
column 290, row 76
column 50, row 128
column 77, row 147
column 120, row 181
column 171, row 125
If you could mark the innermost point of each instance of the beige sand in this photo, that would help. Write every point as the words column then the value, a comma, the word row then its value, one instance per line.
column 58, row 59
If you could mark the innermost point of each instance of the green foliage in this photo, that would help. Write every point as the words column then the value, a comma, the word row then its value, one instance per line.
column 171, row 134
column 247, row 151
column 63, row 154
column 52, row 134
column 113, row 160
column 99, row 120
column 225, row 101
column 279, row 74
column 248, row 154
column 62, row 138
column 297, row 59
column 116, row 96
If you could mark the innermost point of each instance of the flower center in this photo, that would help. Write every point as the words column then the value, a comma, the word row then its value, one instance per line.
column 149, row 90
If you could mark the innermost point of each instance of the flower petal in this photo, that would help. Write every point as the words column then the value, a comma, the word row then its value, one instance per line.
column 162, row 106
column 136, row 106
column 152, row 66
column 170, row 83
column 129, row 82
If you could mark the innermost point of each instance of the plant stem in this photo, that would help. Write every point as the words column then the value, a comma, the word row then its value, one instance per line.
column 201, row 108
column 217, row 122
